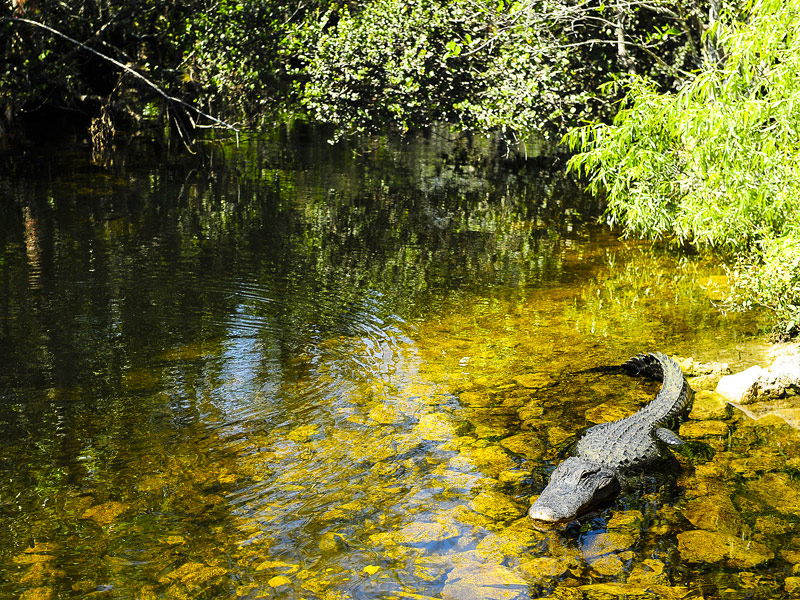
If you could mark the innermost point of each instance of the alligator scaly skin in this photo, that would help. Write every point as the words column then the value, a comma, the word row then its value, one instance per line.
column 631, row 441
column 593, row 475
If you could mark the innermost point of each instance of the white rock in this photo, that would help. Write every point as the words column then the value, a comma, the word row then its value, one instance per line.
column 733, row 387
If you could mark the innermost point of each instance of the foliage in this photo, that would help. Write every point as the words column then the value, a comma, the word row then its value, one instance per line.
column 771, row 280
column 715, row 165
column 521, row 67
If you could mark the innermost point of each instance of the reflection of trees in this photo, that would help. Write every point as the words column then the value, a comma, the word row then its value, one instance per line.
column 124, row 294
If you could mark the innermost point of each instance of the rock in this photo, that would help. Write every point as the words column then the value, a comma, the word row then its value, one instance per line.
column 420, row 533
column 750, row 466
column 626, row 520
column 478, row 581
column 734, row 387
column 700, row 546
column 703, row 429
column 648, row 573
column 626, row 591
column 106, row 513
column 713, row 513
column 543, row 568
column 530, row 411
column 533, row 381
column 782, row 379
column 556, row 435
column 526, row 444
column 491, row 460
column 596, row 545
column 607, row 411
column 490, row 432
column 435, row 427
column 496, row 506
column 792, row 585
column 778, row 491
column 692, row 368
column 709, row 406
column 384, row 414
column 608, row 566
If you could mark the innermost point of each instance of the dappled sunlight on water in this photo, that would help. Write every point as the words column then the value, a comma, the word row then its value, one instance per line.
column 352, row 385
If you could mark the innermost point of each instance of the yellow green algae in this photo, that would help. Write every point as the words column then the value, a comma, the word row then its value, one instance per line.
column 410, row 474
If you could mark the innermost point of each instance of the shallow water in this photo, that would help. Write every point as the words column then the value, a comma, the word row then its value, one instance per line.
column 304, row 371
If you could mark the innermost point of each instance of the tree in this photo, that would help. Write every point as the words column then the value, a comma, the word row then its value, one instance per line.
column 716, row 164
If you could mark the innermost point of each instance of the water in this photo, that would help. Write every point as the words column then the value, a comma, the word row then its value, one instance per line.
column 305, row 371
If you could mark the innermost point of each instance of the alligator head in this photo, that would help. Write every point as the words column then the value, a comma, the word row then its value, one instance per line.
column 576, row 486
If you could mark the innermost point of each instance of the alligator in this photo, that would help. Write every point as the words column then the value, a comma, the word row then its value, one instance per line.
column 595, row 473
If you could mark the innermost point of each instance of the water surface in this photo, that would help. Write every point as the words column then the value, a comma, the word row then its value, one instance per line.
column 297, row 370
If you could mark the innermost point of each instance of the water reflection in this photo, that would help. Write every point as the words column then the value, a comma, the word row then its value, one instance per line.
column 313, row 374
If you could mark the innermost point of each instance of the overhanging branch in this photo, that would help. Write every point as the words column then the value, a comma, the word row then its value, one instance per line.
column 127, row 69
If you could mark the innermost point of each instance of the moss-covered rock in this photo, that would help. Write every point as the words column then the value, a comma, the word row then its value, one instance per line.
column 713, row 513
column 778, row 491
column 480, row 581
column 497, row 506
column 543, row 568
column 709, row 406
column 700, row 546
column 703, row 429
column 525, row 444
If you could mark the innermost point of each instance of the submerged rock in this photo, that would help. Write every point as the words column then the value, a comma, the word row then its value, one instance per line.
column 478, row 581
column 648, row 573
column 703, row 429
column 701, row 546
column 777, row 491
column 608, row 566
column 709, row 406
column 419, row 533
column 496, row 506
column 713, row 513
column 607, row 411
column 533, row 381
column 106, row 513
column 627, row 591
column 792, row 585
column 525, row 444
column 543, row 568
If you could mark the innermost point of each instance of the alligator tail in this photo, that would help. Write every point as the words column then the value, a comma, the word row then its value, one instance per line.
column 647, row 365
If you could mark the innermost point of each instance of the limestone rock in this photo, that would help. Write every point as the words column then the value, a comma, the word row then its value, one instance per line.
column 782, row 379
column 734, row 387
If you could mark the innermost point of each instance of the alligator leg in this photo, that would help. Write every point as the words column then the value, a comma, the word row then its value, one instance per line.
column 668, row 436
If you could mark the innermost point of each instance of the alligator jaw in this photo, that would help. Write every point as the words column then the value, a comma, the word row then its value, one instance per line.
column 575, row 487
